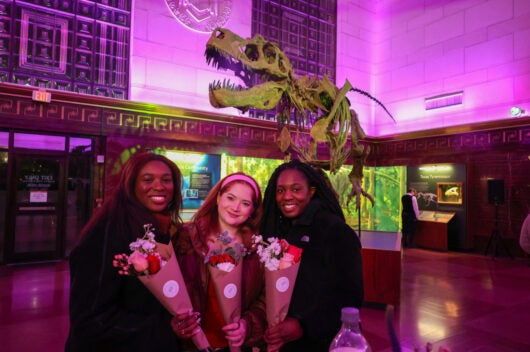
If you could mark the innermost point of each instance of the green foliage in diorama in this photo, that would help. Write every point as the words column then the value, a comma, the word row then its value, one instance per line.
column 259, row 168
column 385, row 185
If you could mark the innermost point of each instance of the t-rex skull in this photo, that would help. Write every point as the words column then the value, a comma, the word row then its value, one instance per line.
column 263, row 68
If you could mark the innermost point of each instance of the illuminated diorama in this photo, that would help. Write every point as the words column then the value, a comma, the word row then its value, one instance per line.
column 201, row 171
column 385, row 184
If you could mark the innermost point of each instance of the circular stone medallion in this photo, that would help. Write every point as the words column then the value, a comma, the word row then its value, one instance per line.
column 199, row 15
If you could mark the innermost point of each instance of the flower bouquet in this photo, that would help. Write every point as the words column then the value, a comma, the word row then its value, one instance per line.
column 282, row 261
column 225, row 267
column 156, row 266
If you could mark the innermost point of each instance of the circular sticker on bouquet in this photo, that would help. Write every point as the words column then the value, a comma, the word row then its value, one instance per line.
column 282, row 284
column 230, row 291
column 170, row 289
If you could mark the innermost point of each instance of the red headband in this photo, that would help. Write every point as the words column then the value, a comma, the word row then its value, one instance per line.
column 240, row 177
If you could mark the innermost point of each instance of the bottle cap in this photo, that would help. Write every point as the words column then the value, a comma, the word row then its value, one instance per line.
column 350, row 314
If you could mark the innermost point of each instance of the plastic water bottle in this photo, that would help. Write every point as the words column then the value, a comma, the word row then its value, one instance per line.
column 349, row 337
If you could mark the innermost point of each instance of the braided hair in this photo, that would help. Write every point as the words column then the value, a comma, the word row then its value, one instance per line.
column 271, row 212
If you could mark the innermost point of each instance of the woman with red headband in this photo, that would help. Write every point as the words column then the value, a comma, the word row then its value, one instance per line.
column 230, row 214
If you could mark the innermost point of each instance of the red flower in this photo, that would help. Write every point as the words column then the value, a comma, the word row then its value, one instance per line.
column 226, row 258
column 296, row 252
column 154, row 263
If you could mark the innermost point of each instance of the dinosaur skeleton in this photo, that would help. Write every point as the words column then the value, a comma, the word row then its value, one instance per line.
column 305, row 103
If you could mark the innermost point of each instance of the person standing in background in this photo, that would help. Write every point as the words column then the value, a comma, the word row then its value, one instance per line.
column 524, row 239
column 409, row 217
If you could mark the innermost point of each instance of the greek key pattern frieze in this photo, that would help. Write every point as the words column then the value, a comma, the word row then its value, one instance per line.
column 454, row 142
column 8, row 106
column 31, row 109
column 92, row 115
column 53, row 111
column 512, row 136
column 110, row 120
column 525, row 135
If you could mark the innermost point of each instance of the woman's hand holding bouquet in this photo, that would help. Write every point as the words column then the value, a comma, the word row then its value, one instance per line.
column 225, row 267
column 282, row 261
column 157, row 268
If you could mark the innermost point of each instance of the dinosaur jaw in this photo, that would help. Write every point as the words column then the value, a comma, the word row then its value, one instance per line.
column 262, row 67
column 263, row 97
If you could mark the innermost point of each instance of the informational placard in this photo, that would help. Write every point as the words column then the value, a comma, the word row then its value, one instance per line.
column 38, row 196
column 200, row 184
column 200, row 172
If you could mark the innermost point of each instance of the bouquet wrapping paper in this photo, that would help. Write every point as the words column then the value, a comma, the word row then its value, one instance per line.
column 227, row 285
column 279, row 285
column 168, row 286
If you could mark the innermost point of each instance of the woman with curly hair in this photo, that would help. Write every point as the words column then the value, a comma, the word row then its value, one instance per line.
column 301, row 208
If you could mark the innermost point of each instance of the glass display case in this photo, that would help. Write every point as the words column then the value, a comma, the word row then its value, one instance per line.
column 432, row 231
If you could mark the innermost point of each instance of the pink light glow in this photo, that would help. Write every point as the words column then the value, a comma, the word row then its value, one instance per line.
column 401, row 52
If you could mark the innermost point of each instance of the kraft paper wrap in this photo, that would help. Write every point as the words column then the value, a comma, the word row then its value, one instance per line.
column 279, row 285
column 169, row 288
column 227, row 287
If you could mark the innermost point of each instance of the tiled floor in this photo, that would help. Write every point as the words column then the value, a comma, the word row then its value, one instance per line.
column 467, row 302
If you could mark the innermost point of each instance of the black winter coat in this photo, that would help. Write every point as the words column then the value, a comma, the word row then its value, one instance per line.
column 330, row 275
column 110, row 312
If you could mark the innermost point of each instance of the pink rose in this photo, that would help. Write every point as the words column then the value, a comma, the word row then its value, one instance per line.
column 286, row 261
column 138, row 261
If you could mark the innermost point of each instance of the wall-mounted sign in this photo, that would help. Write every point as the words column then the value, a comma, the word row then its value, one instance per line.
column 38, row 196
column 32, row 182
column 41, row 96
column 200, row 172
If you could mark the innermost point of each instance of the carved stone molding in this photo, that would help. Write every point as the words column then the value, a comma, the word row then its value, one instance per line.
column 74, row 113
column 71, row 113
column 449, row 142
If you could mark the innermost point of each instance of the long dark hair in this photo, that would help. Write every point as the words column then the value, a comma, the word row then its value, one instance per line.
column 272, row 213
column 123, row 208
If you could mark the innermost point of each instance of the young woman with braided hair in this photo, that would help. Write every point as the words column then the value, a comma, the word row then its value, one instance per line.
column 300, row 207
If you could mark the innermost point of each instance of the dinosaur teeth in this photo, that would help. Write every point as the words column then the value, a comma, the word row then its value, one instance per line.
column 225, row 84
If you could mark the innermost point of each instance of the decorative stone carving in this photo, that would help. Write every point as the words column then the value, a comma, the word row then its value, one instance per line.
column 201, row 16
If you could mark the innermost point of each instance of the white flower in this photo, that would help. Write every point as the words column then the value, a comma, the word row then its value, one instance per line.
column 272, row 264
column 275, row 247
column 226, row 266
column 147, row 243
column 257, row 239
column 274, row 253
